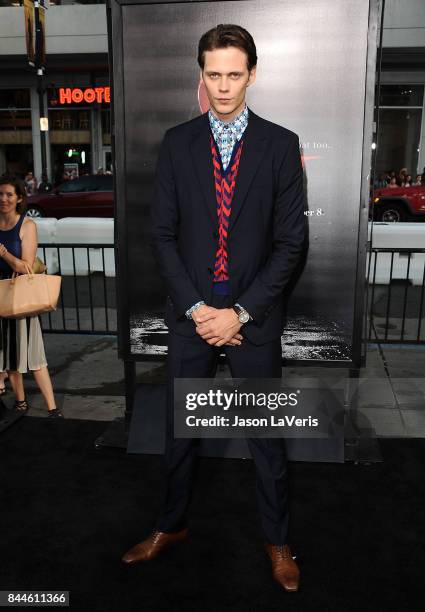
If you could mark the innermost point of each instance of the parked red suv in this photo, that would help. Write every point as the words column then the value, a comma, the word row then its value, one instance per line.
column 399, row 204
column 87, row 196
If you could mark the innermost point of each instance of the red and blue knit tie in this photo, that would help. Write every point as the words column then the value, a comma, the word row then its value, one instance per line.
column 224, row 189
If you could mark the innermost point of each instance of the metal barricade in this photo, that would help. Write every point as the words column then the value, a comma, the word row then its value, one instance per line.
column 87, row 302
column 396, row 295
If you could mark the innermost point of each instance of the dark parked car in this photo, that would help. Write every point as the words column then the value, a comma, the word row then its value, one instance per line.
column 399, row 204
column 87, row 196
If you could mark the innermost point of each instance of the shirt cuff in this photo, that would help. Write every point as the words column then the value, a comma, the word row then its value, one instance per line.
column 193, row 308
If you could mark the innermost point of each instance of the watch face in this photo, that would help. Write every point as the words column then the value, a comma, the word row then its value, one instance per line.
column 244, row 317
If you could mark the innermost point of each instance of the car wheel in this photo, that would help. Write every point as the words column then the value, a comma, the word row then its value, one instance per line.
column 34, row 213
column 390, row 213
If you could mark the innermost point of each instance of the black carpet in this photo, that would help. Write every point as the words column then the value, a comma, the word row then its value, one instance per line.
column 68, row 512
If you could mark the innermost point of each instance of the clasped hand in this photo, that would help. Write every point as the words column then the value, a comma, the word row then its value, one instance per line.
column 218, row 326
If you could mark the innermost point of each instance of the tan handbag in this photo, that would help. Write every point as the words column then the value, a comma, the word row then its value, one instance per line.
column 29, row 294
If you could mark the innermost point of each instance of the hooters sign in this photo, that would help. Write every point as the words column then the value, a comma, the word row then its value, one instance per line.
column 89, row 95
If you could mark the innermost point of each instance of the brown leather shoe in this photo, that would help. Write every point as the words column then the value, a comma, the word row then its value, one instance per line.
column 152, row 546
column 285, row 570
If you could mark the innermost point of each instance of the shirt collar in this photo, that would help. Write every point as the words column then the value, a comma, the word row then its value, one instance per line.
column 236, row 126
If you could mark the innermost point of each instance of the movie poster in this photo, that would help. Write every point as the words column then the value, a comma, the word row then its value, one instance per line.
column 311, row 79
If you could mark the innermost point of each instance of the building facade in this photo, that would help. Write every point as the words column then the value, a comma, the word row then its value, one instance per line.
column 76, row 92
column 401, row 132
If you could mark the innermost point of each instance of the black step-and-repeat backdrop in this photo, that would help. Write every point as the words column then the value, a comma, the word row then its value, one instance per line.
column 315, row 76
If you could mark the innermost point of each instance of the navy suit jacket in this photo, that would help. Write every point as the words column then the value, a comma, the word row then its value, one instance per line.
column 267, row 224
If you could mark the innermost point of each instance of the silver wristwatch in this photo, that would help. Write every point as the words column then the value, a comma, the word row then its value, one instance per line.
column 243, row 314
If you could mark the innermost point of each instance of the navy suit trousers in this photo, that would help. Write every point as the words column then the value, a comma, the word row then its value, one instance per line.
column 192, row 357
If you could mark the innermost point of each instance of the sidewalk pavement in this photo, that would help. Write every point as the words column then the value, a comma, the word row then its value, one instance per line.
column 88, row 380
column 87, row 376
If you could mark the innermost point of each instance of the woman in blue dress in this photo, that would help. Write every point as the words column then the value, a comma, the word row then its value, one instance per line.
column 21, row 340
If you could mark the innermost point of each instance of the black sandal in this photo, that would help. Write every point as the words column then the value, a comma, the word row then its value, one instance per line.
column 55, row 414
column 21, row 405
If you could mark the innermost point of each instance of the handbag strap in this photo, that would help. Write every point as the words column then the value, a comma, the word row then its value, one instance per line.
column 28, row 271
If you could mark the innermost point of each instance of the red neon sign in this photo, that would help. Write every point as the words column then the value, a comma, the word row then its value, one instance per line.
column 69, row 95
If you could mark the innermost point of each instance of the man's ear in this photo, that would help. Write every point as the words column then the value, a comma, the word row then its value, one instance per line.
column 252, row 76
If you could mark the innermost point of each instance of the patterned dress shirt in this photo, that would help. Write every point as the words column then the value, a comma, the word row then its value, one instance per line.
column 226, row 135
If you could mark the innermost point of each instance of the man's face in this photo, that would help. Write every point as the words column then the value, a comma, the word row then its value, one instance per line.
column 226, row 77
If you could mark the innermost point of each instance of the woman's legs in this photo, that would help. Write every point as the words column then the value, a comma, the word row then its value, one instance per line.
column 42, row 378
column 3, row 376
column 17, row 382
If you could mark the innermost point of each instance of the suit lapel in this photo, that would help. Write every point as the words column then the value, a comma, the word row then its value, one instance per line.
column 254, row 147
column 202, row 160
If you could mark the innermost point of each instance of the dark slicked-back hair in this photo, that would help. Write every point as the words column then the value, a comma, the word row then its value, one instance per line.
column 20, row 190
column 227, row 35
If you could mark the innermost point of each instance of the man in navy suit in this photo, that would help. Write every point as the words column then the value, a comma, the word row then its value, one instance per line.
column 228, row 229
